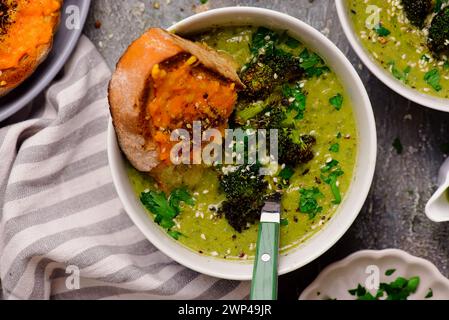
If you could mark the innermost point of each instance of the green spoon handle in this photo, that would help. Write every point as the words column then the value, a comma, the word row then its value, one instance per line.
column 265, row 273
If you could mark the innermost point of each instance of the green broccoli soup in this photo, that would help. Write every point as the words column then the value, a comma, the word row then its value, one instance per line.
column 409, row 38
column 215, row 210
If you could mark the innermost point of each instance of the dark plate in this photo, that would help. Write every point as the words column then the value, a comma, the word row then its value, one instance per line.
column 64, row 42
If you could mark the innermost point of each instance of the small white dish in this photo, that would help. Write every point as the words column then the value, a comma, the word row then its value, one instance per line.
column 437, row 209
column 382, row 74
column 363, row 172
column 335, row 281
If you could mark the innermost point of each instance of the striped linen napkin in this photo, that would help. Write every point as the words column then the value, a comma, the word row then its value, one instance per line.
column 59, row 208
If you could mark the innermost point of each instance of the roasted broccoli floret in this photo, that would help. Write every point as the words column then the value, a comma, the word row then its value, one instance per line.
column 439, row 33
column 268, row 72
column 259, row 80
column 417, row 11
column 294, row 149
column 262, row 113
column 269, row 67
column 245, row 189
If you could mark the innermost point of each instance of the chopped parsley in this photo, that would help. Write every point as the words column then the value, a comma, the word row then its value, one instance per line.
column 312, row 64
column 180, row 195
column 263, row 42
column 284, row 222
column 174, row 234
column 329, row 165
column 286, row 173
column 166, row 210
column 204, row 1
column 332, row 180
column 429, row 294
column 381, row 30
column 336, row 101
column 298, row 99
column 334, row 172
column 308, row 201
column 397, row 145
column 335, row 147
column 399, row 289
column 398, row 74
column 389, row 272
column 433, row 79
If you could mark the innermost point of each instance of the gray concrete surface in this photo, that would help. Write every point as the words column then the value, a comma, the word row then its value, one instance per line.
column 393, row 216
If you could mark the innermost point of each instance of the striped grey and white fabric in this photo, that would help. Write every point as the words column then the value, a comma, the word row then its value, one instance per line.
column 58, row 206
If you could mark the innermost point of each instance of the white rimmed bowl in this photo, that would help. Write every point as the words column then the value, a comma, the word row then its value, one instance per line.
column 437, row 208
column 382, row 74
column 363, row 173
column 335, row 281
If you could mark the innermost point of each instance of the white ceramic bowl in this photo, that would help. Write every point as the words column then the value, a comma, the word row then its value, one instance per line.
column 335, row 281
column 382, row 74
column 356, row 194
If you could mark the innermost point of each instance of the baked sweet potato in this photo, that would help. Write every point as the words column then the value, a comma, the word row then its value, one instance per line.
column 26, row 37
column 163, row 83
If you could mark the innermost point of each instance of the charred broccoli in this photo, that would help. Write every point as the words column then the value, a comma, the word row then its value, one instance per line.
column 245, row 190
column 270, row 66
column 417, row 11
column 294, row 149
column 439, row 32
column 261, row 77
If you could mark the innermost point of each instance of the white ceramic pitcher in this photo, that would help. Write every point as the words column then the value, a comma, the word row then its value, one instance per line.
column 437, row 209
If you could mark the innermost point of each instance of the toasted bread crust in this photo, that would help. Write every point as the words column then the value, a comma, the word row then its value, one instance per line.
column 131, row 87
column 29, row 63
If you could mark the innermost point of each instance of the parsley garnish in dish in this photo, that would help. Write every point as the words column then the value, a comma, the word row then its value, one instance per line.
column 433, row 79
column 166, row 209
column 335, row 147
column 298, row 99
column 399, row 289
column 389, row 272
column 336, row 101
column 312, row 64
column 308, row 202
column 381, row 30
column 333, row 171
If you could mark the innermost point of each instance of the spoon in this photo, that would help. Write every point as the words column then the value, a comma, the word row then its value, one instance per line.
column 265, row 273
column 437, row 209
